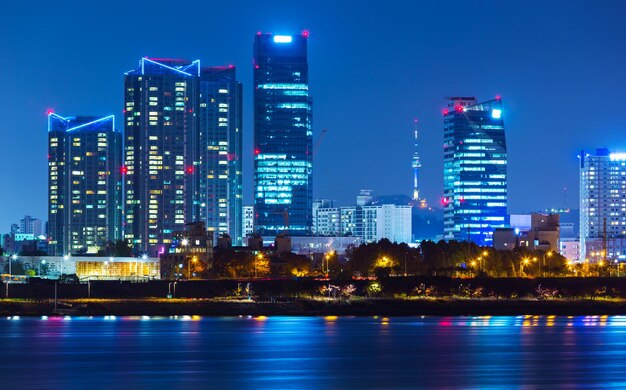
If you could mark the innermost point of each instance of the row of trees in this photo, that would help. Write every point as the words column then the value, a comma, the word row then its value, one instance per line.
column 453, row 258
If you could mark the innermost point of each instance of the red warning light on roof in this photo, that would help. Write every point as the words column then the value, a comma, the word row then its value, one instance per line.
column 124, row 170
column 458, row 108
column 189, row 169
column 498, row 97
column 305, row 33
column 444, row 201
column 49, row 111
column 257, row 151
column 444, row 111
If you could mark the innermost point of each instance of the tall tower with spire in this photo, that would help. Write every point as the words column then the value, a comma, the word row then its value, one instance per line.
column 416, row 165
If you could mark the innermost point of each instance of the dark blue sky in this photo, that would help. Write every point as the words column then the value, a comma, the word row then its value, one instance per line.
column 560, row 67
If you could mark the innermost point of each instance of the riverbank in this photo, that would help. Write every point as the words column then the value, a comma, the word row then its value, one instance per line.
column 315, row 307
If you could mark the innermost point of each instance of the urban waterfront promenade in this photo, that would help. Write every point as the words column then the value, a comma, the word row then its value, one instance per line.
column 400, row 296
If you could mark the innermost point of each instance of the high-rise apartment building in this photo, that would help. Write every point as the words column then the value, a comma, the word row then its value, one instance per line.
column 220, row 169
column 282, row 135
column 182, row 151
column 602, row 204
column 30, row 225
column 84, row 192
column 475, row 170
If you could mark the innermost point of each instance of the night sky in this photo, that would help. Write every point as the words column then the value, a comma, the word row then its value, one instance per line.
column 560, row 67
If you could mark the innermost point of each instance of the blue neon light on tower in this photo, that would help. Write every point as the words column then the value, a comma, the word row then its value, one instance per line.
column 283, row 135
column 475, row 170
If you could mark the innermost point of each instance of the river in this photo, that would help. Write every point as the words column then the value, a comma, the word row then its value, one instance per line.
column 313, row 352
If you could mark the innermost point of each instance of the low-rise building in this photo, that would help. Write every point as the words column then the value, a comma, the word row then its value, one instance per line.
column 190, row 252
column 86, row 267
column 570, row 249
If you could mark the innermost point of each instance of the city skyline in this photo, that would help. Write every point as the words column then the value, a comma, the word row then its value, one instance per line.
column 535, row 120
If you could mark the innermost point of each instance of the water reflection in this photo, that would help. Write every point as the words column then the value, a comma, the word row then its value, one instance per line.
column 313, row 352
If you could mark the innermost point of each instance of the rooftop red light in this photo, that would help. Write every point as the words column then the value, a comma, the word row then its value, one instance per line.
column 257, row 151
column 305, row 33
column 50, row 111
column 498, row 97
column 190, row 169
column 124, row 170
column 458, row 108
column 444, row 111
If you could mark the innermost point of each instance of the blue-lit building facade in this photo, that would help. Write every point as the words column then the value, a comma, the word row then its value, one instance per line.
column 282, row 135
column 182, row 151
column 84, row 184
column 475, row 170
column 602, row 205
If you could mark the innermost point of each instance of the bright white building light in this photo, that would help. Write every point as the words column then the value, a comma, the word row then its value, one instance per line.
column 496, row 114
column 282, row 39
column 617, row 156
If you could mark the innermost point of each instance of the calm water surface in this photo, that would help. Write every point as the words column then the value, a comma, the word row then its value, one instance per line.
column 313, row 352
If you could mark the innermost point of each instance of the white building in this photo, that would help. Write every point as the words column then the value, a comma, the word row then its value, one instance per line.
column 388, row 221
column 326, row 218
column 248, row 220
column 369, row 223
column 602, row 201
column 570, row 249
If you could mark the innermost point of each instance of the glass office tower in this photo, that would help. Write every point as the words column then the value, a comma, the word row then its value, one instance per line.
column 475, row 170
column 283, row 135
column 84, row 192
column 220, row 116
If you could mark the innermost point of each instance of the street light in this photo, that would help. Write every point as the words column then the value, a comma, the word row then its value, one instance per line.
column 169, row 290
column 13, row 258
column 327, row 258
column 549, row 254
column 40, row 263
column 191, row 260
column 259, row 256
column 525, row 262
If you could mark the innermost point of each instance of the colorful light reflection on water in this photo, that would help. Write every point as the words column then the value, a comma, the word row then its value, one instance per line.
column 313, row 352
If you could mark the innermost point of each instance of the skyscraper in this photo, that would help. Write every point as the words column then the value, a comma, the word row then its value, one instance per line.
column 182, row 150
column 475, row 170
column 283, row 135
column 161, row 151
column 602, row 205
column 84, row 192
column 220, row 169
